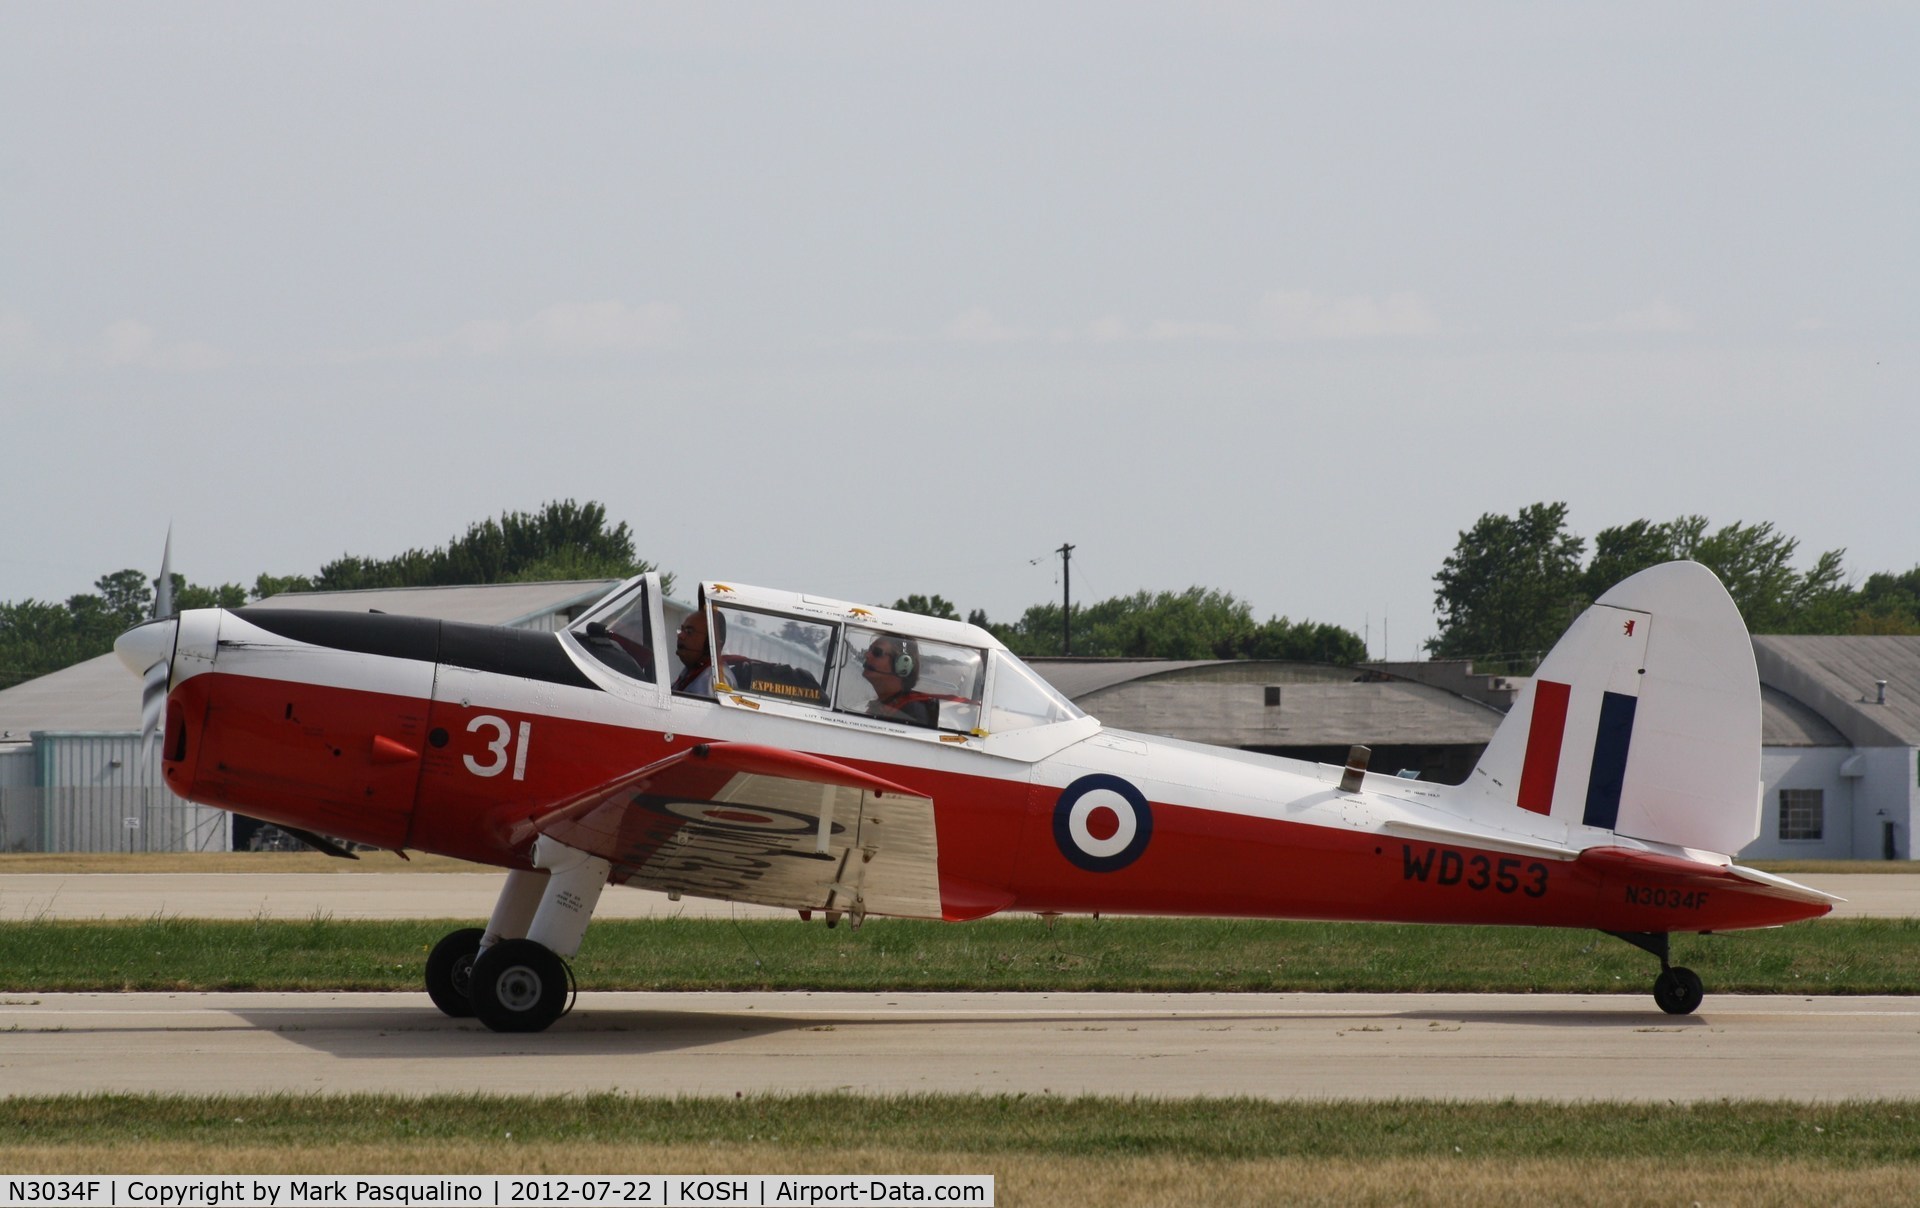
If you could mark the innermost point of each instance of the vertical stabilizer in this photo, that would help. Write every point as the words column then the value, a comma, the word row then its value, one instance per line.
column 1644, row 721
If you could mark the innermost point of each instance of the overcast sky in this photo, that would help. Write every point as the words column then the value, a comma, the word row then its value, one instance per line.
column 875, row 299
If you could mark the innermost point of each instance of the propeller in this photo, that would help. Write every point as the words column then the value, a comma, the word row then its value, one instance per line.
column 147, row 650
column 163, row 601
column 153, row 700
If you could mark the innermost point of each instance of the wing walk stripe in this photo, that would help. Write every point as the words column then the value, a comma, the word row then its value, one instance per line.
column 1610, row 759
column 1549, row 726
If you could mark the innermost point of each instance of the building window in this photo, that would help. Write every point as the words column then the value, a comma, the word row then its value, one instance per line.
column 1802, row 813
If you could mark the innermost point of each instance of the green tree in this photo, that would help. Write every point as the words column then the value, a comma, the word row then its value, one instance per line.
column 1510, row 586
column 928, row 606
column 125, row 595
column 1755, row 561
column 1303, row 642
column 37, row 637
column 272, row 585
column 1198, row 623
column 1626, row 550
column 191, row 595
column 1888, row 603
column 563, row 540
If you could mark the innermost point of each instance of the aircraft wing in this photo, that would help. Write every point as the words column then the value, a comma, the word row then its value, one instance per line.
column 749, row 823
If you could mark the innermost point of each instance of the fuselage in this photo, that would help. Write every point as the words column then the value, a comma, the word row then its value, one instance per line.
column 407, row 733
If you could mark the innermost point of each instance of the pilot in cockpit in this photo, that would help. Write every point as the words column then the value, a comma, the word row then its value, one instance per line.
column 892, row 668
column 696, row 653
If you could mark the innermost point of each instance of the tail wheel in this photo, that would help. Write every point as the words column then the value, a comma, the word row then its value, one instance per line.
column 1678, row 990
column 450, row 972
column 520, row 986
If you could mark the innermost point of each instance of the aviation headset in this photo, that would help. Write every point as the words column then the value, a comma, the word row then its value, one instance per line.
column 903, row 663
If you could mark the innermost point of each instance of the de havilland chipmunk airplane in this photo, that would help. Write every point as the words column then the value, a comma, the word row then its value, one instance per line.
column 822, row 756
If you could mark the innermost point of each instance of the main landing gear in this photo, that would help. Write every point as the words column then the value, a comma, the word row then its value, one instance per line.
column 513, row 977
column 1677, row 990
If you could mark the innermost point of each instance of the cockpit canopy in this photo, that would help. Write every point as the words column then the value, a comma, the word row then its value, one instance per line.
column 836, row 658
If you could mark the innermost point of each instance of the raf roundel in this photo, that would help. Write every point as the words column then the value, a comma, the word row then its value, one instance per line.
column 1102, row 823
column 759, row 819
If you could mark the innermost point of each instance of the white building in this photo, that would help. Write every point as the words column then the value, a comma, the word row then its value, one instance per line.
column 1840, row 757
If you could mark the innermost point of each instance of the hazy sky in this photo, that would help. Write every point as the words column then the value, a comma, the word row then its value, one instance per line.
column 876, row 299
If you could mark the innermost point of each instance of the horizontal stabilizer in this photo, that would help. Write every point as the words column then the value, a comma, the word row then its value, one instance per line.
column 1685, row 873
column 1483, row 838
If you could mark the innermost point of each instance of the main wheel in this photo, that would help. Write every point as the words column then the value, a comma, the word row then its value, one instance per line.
column 450, row 971
column 1678, row 991
column 519, row 986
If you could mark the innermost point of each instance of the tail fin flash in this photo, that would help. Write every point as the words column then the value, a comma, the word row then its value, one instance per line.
column 1644, row 720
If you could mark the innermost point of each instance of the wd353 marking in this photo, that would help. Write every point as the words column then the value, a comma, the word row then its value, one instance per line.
column 1501, row 874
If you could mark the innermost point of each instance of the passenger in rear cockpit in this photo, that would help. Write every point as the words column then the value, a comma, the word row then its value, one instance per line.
column 892, row 668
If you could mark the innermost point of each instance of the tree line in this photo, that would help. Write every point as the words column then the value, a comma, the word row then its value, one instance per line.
column 1504, row 595
column 1514, row 583
column 1198, row 623
column 562, row 540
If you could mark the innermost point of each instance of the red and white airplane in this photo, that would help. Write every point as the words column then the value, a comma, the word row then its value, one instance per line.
column 856, row 761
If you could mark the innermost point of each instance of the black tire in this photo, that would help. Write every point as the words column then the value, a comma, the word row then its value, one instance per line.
column 1678, row 991
column 450, row 972
column 519, row 986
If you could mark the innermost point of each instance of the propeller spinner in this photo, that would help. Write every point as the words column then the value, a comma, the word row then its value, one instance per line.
column 147, row 651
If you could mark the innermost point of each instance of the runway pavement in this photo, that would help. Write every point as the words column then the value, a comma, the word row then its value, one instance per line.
column 456, row 895
column 1280, row 1046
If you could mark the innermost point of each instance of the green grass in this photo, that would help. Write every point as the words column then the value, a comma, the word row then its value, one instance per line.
column 1088, row 1126
column 1846, row 956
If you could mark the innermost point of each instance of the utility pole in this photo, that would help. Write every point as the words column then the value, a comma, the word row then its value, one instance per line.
column 1066, row 597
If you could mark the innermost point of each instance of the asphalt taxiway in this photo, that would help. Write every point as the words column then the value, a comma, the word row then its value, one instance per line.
column 1281, row 1046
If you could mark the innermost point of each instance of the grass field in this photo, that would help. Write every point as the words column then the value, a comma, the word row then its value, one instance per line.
column 1041, row 1150
column 1831, row 956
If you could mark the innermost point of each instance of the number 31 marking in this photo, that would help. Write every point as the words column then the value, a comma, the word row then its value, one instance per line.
column 503, row 740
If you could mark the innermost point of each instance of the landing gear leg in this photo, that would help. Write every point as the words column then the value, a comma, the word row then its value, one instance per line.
column 1677, row 990
column 522, row 983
